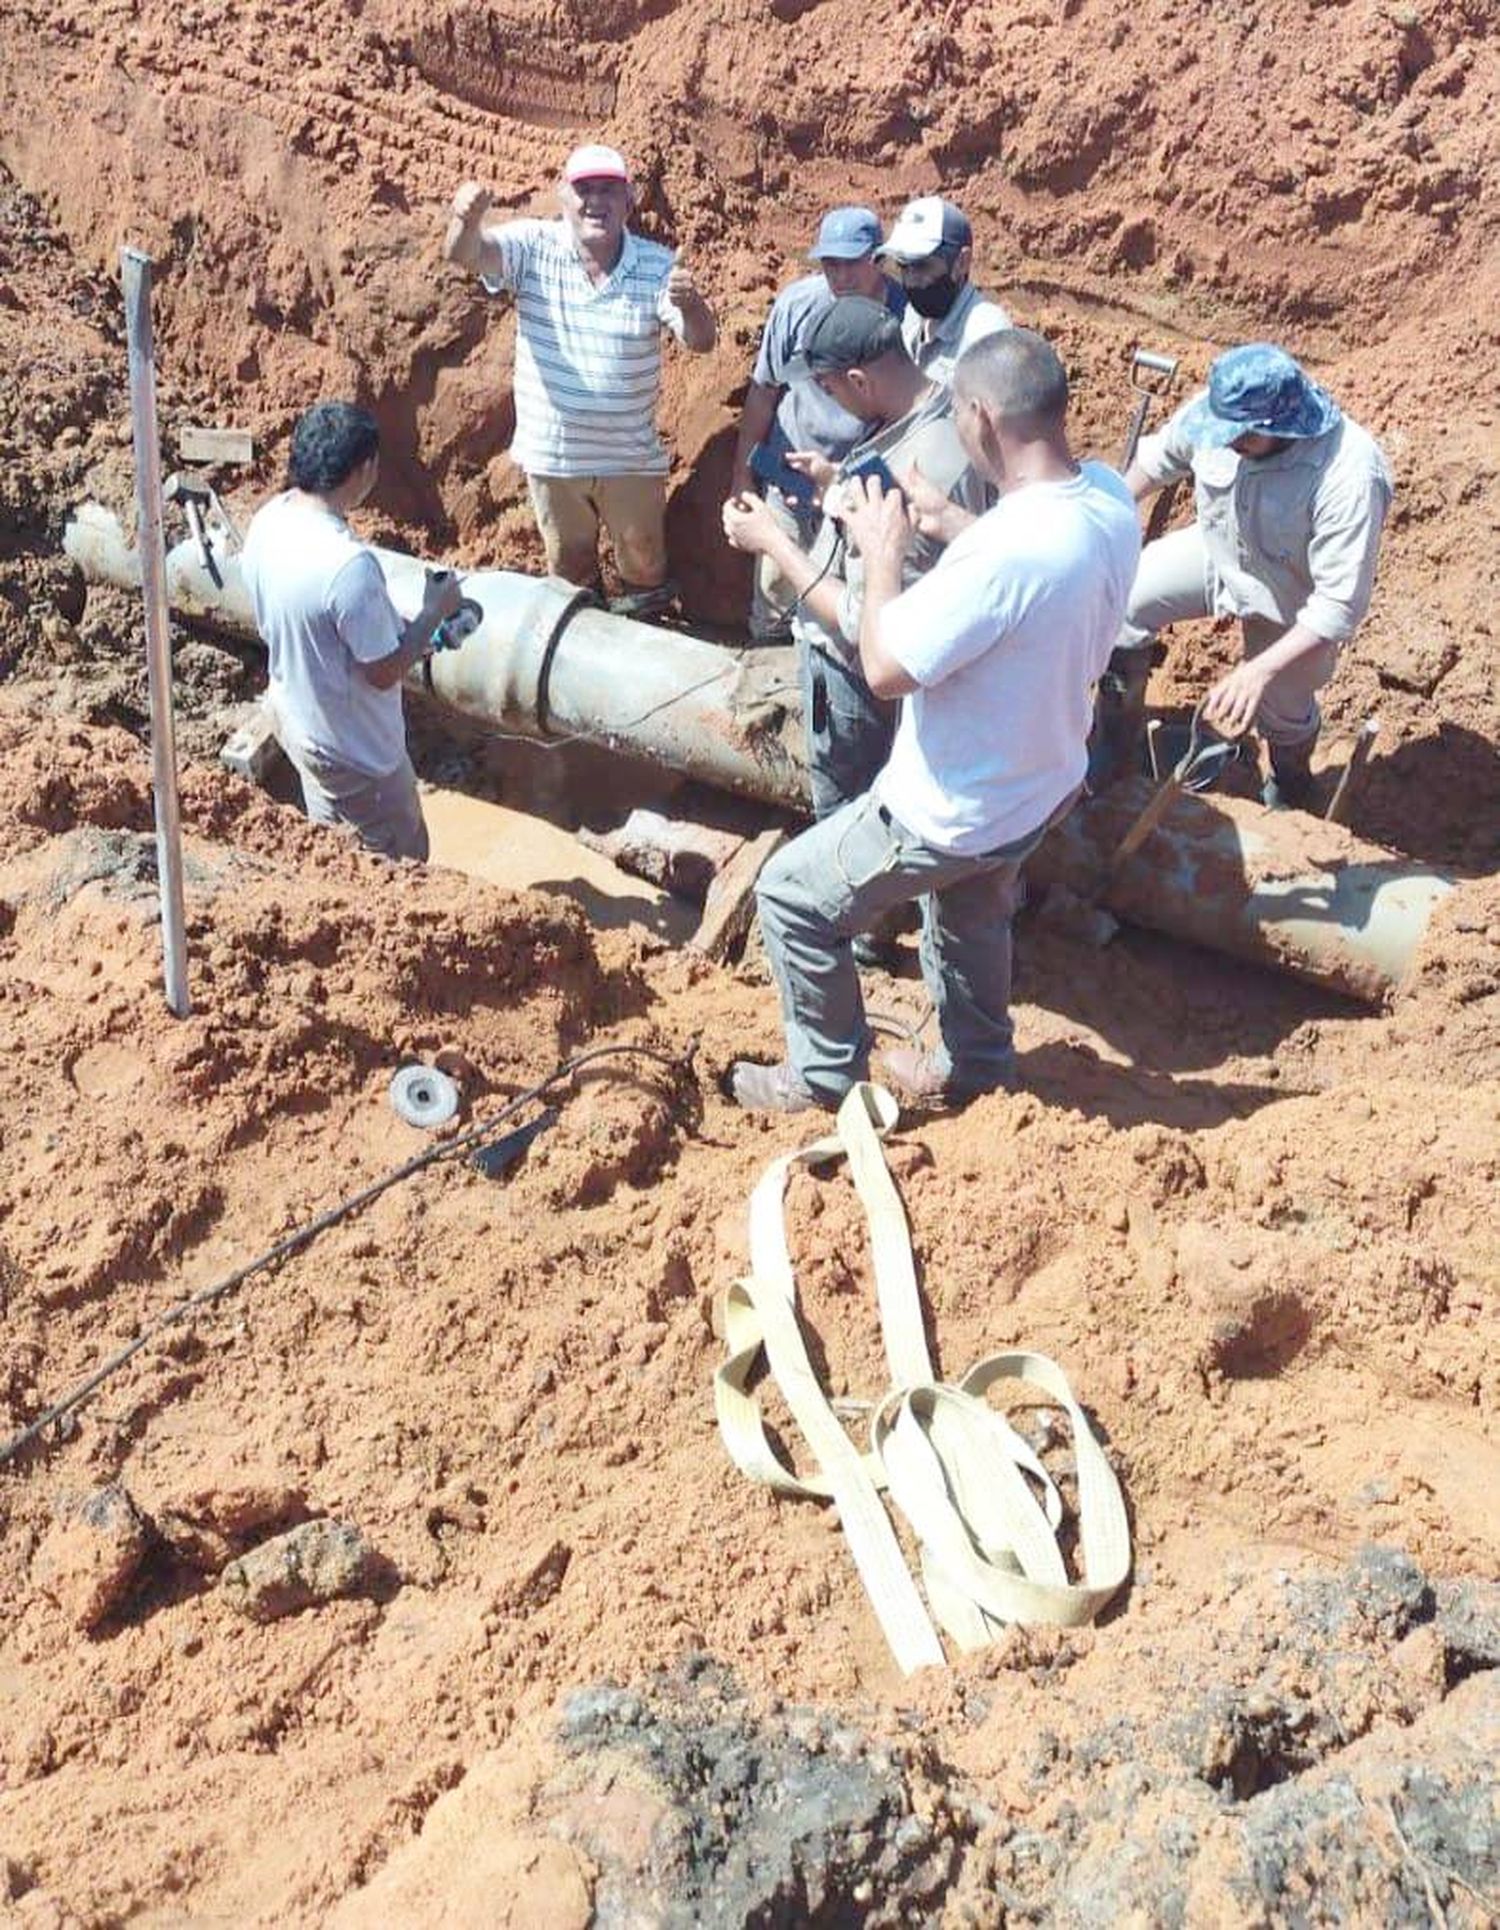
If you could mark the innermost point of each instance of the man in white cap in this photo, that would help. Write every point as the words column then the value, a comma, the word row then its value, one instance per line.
column 592, row 300
column 787, row 414
column 1291, row 497
column 930, row 251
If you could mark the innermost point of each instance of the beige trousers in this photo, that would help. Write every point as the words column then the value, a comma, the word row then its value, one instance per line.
column 570, row 510
column 1174, row 583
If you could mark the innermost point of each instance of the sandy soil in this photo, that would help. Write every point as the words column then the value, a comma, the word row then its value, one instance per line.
column 1258, row 1226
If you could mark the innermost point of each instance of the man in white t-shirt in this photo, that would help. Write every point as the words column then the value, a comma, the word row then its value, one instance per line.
column 592, row 302
column 995, row 651
column 338, row 648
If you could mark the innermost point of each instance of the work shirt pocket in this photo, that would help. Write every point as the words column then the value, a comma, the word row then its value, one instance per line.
column 1215, row 479
column 1279, row 513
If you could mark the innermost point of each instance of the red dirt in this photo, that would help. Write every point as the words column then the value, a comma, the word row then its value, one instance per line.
column 1257, row 1226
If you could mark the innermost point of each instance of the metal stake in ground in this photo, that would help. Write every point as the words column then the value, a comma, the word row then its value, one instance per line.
column 135, row 276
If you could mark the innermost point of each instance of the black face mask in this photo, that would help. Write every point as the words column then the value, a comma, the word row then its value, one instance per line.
column 933, row 302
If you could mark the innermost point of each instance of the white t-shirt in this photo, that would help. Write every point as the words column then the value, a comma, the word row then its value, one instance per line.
column 322, row 610
column 588, row 356
column 1006, row 637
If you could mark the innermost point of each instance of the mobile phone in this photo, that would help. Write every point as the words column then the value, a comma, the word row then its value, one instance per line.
column 876, row 469
column 767, row 467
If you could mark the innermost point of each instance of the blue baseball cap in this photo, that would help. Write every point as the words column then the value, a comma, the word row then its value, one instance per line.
column 1258, row 389
column 845, row 234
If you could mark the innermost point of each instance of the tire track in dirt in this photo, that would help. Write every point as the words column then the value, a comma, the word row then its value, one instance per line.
column 472, row 54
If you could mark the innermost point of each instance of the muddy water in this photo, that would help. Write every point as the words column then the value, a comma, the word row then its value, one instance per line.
column 509, row 848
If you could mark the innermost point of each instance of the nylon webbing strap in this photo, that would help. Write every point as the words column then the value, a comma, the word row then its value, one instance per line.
column 952, row 1463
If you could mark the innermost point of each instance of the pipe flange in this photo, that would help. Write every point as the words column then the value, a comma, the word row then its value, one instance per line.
column 424, row 1097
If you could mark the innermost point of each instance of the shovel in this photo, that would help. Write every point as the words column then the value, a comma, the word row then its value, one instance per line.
column 1208, row 751
column 1364, row 743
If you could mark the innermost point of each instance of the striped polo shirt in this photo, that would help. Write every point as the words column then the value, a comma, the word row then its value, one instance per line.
column 588, row 356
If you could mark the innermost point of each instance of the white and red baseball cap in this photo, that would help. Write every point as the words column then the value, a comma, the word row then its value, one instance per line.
column 595, row 163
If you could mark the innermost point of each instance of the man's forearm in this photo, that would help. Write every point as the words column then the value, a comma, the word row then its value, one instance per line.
column 699, row 329
column 1139, row 483
column 816, row 588
column 882, row 673
column 756, row 418
column 467, row 245
column 415, row 644
column 1292, row 644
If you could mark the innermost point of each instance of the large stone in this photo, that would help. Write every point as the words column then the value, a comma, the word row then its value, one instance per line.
column 90, row 1558
column 695, row 1810
column 315, row 1563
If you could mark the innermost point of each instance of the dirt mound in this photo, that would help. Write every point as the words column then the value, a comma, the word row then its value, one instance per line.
column 1256, row 1225
column 499, row 1385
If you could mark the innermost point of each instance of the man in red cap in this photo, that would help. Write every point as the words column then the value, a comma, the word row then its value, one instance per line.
column 592, row 301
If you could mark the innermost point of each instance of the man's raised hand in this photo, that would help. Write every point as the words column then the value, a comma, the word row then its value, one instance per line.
column 749, row 524
column 466, row 223
column 878, row 521
column 682, row 286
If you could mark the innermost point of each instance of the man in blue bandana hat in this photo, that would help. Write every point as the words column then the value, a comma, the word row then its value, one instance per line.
column 1291, row 497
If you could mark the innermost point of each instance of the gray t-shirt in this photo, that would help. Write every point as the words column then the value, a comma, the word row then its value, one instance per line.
column 924, row 439
column 322, row 610
column 936, row 346
column 806, row 417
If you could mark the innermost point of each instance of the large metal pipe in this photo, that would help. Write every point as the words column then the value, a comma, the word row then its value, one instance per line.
column 1275, row 888
column 546, row 663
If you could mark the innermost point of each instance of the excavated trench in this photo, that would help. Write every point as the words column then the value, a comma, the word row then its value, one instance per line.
column 586, row 1670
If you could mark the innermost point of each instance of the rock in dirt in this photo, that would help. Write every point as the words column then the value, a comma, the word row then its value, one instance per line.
column 315, row 1563
column 208, row 1524
column 536, row 1578
column 694, row 1810
column 90, row 1558
column 1304, row 1775
column 1468, row 1621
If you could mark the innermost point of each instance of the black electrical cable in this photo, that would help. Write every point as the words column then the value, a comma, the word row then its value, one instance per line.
column 300, row 1237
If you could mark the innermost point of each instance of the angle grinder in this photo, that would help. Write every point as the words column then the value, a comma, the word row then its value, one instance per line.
column 465, row 620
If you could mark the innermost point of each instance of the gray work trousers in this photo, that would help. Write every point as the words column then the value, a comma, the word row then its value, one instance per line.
column 849, row 728
column 384, row 813
column 1175, row 582
column 838, row 879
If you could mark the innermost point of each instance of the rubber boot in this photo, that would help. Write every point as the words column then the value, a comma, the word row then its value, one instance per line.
column 1291, row 785
column 1119, row 718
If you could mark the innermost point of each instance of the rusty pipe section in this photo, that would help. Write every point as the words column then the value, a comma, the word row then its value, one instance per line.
column 546, row 663
column 1275, row 888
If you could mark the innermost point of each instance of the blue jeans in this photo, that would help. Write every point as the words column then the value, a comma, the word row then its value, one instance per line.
column 836, row 880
